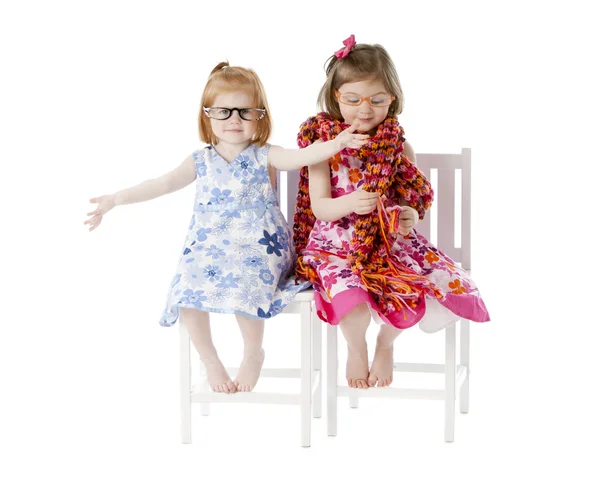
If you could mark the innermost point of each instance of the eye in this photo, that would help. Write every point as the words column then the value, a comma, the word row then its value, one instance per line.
column 223, row 111
column 352, row 99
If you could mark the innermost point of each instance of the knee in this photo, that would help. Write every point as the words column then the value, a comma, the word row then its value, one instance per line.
column 360, row 313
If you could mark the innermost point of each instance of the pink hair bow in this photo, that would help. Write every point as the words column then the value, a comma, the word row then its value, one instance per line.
column 348, row 46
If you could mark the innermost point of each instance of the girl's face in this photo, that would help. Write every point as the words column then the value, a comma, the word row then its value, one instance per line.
column 369, row 116
column 234, row 130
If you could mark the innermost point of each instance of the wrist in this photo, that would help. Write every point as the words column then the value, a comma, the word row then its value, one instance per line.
column 116, row 199
column 338, row 144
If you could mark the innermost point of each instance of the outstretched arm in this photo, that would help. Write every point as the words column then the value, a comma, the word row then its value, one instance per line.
column 327, row 208
column 286, row 159
column 174, row 180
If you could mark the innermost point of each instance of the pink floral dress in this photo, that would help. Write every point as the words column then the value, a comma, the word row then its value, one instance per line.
column 339, row 289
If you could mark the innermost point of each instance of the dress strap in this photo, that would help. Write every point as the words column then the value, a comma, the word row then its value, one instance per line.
column 262, row 152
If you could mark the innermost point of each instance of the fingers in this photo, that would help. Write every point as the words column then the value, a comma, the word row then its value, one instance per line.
column 355, row 124
column 94, row 222
column 363, row 194
column 357, row 141
column 405, row 226
column 365, row 201
column 366, row 206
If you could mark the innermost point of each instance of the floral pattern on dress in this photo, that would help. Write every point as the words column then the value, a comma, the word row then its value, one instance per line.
column 339, row 289
column 237, row 257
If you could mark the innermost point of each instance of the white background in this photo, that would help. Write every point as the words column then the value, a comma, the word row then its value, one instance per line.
column 98, row 96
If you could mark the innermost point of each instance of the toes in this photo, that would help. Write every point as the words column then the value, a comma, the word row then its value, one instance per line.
column 232, row 387
column 372, row 381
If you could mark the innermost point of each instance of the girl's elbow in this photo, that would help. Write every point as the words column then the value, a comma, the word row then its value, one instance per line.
column 318, row 211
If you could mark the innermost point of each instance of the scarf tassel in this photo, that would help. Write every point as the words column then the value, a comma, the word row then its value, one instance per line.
column 396, row 283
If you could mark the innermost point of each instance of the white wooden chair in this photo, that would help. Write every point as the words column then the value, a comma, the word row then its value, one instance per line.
column 447, row 168
column 309, row 373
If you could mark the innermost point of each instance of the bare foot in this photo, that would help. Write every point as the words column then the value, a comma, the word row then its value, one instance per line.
column 249, row 371
column 357, row 366
column 382, row 369
column 218, row 379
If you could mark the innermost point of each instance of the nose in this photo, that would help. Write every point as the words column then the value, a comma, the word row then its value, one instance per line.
column 235, row 117
column 365, row 107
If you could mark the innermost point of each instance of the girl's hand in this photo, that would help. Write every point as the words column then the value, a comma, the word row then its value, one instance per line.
column 408, row 218
column 105, row 204
column 363, row 202
column 349, row 139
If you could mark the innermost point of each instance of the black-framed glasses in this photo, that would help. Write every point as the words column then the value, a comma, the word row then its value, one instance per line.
column 248, row 114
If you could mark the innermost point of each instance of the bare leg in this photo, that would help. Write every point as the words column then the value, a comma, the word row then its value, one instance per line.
column 382, row 369
column 197, row 324
column 354, row 328
column 254, row 355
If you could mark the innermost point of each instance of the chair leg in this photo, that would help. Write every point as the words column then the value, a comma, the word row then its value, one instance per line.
column 185, row 385
column 204, row 388
column 317, row 363
column 464, row 361
column 305, row 374
column 450, row 387
column 332, row 366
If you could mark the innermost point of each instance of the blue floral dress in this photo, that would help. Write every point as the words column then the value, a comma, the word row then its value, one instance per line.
column 238, row 255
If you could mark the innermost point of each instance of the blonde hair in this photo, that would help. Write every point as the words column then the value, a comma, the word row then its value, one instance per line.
column 226, row 79
column 364, row 62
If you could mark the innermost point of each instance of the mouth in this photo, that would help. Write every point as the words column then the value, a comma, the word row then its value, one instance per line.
column 234, row 131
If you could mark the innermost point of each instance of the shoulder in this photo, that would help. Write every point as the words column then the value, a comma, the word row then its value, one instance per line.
column 262, row 151
column 409, row 152
column 200, row 160
column 201, row 154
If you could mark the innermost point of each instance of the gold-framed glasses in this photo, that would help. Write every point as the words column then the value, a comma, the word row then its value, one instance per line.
column 352, row 99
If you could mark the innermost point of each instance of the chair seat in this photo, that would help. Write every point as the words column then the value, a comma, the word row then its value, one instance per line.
column 303, row 296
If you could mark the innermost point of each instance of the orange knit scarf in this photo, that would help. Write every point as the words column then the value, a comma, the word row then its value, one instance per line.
column 388, row 172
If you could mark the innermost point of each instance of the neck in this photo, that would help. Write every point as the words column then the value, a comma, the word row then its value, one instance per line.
column 230, row 151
